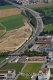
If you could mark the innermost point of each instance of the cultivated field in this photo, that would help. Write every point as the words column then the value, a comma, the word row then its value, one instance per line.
column 13, row 22
column 13, row 39
column 9, row 12
column 9, row 18
column 2, row 30
column 7, row 7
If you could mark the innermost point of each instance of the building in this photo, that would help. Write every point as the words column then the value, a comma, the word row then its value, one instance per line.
column 44, row 74
column 37, row 59
column 50, row 55
column 45, row 1
column 26, row 2
column 44, row 40
column 46, row 49
column 7, row 74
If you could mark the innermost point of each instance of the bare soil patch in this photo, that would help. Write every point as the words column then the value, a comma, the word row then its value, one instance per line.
column 9, row 12
column 13, row 39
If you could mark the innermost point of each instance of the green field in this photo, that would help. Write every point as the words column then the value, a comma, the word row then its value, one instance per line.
column 32, row 68
column 6, row 7
column 16, row 66
column 2, row 29
column 48, row 11
column 51, row 70
column 48, row 28
column 2, row 58
column 13, row 22
column 24, row 78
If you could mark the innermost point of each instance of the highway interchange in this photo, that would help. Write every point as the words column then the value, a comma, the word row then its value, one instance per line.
column 31, row 40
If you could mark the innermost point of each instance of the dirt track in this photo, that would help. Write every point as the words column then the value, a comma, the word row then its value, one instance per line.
column 9, row 12
column 13, row 39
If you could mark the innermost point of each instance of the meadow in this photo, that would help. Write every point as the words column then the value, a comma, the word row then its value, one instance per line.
column 48, row 28
column 2, row 58
column 32, row 68
column 24, row 78
column 12, row 22
column 6, row 7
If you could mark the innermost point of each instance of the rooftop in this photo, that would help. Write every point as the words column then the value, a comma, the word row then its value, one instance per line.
column 6, row 71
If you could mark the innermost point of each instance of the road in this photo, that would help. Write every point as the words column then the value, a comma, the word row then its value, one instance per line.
column 31, row 40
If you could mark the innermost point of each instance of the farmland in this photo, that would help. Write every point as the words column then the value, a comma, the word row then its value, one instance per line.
column 13, row 22
column 6, row 7
column 9, row 12
column 2, row 30
column 32, row 68
column 13, row 39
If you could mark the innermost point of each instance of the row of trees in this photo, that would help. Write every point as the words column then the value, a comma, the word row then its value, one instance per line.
column 44, row 33
column 2, row 2
column 34, row 53
column 47, row 19
column 31, row 18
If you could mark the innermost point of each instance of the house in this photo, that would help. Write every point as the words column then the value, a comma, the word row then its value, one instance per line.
column 7, row 74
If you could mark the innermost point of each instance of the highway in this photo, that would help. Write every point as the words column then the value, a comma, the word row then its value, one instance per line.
column 31, row 40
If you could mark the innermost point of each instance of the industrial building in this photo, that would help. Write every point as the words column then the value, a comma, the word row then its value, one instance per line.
column 50, row 55
column 46, row 49
column 44, row 40
column 7, row 74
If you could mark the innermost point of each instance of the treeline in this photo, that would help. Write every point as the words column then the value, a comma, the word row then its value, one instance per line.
column 47, row 18
column 34, row 53
column 2, row 2
column 47, row 32
column 31, row 18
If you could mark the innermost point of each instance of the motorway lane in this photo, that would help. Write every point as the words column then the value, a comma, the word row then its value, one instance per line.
column 37, row 31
